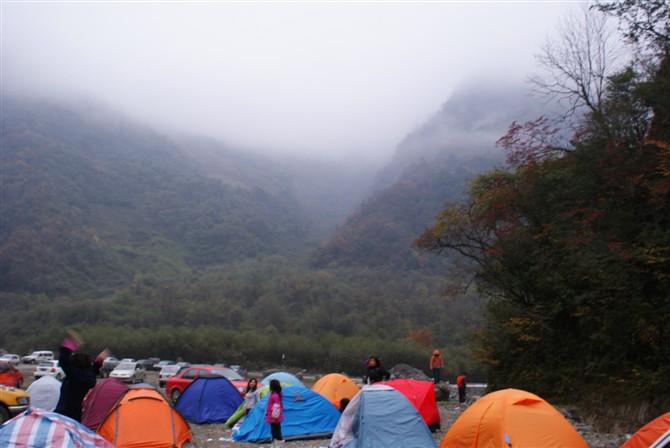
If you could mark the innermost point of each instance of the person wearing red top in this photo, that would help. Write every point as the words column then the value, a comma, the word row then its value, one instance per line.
column 436, row 365
column 274, row 412
column 462, row 385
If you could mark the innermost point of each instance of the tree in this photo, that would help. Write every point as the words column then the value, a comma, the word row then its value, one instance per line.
column 646, row 23
column 572, row 248
column 577, row 63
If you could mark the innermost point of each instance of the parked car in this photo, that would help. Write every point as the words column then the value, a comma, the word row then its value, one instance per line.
column 10, row 376
column 10, row 358
column 128, row 360
column 148, row 364
column 129, row 372
column 12, row 401
column 38, row 356
column 174, row 386
column 49, row 368
column 160, row 364
column 108, row 365
column 169, row 371
column 239, row 369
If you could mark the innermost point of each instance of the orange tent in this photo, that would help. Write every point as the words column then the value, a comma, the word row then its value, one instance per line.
column 512, row 418
column 656, row 433
column 143, row 418
column 335, row 387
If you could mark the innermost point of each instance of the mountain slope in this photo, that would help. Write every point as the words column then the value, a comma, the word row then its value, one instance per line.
column 430, row 168
column 89, row 205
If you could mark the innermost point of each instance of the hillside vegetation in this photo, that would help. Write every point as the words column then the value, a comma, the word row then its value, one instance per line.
column 155, row 244
column 431, row 167
column 571, row 242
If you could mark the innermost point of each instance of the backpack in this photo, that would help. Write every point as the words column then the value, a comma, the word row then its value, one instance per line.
column 275, row 412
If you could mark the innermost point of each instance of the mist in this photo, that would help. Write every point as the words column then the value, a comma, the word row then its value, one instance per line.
column 323, row 80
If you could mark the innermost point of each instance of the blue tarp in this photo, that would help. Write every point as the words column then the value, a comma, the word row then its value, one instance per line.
column 286, row 379
column 306, row 414
column 209, row 400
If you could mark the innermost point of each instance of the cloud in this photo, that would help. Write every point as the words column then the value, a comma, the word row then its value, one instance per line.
column 335, row 79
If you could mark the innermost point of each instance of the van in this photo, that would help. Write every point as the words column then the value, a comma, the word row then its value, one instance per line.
column 38, row 356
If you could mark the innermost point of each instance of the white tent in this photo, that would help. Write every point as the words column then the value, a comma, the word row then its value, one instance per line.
column 380, row 416
column 44, row 393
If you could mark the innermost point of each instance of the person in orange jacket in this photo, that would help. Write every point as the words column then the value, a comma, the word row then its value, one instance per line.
column 462, row 385
column 436, row 366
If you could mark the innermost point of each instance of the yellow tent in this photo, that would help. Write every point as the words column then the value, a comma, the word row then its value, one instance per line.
column 512, row 418
column 335, row 387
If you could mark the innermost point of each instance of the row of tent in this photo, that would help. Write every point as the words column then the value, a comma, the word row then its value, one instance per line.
column 315, row 413
column 113, row 415
column 396, row 413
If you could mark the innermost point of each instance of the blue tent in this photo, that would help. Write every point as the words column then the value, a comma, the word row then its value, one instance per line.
column 306, row 414
column 380, row 417
column 209, row 400
column 286, row 379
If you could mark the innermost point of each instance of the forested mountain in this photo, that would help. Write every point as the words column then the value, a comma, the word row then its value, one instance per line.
column 134, row 236
column 327, row 190
column 91, row 199
column 430, row 168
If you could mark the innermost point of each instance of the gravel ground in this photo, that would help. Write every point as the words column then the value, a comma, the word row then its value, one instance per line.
column 217, row 436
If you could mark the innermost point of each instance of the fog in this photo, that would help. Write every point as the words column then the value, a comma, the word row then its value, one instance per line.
column 319, row 79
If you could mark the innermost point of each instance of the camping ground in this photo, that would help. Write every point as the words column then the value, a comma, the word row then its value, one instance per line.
column 215, row 435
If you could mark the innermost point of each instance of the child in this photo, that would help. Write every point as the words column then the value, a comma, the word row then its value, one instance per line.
column 274, row 413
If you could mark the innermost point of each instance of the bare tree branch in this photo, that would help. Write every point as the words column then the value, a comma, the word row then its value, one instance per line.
column 577, row 63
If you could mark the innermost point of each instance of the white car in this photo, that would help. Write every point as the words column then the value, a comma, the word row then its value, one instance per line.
column 38, row 356
column 129, row 372
column 170, row 370
column 10, row 358
column 49, row 368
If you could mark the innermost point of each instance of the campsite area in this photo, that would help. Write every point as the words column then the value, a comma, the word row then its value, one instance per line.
column 216, row 435
column 211, row 435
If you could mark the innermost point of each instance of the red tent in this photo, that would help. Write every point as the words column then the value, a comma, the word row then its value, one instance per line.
column 422, row 395
column 654, row 434
column 100, row 400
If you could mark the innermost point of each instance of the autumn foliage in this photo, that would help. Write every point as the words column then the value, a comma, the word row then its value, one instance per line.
column 571, row 243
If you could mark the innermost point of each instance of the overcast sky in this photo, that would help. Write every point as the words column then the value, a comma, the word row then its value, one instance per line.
column 321, row 78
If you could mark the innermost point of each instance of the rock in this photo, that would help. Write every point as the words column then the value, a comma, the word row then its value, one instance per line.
column 442, row 392
column 407, row 371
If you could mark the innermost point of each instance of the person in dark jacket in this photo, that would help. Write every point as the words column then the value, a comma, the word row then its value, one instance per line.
column 375, row 372
column 80, row 376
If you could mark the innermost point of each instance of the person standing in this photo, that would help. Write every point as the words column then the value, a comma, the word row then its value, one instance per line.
column 251, row 397
column 80, row 376
column 274, row 413
column 375, row 372
column 462, row 387
column 436, row 366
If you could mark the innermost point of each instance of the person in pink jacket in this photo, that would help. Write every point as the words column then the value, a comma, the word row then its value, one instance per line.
column 274, row 412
